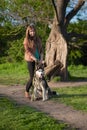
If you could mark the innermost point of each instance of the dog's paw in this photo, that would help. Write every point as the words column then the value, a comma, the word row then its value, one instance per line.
column 32, row 98
column 45, row 99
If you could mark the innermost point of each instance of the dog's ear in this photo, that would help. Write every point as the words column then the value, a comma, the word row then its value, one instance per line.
column 44, row 64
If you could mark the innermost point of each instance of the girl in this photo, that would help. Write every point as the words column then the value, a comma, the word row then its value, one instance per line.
column 33, row 52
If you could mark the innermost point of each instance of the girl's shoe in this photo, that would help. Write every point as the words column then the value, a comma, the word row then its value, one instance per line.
column 27, row 95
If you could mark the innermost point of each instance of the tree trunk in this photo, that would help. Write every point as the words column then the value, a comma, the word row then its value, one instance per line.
column 56, row 53
column 56, row 46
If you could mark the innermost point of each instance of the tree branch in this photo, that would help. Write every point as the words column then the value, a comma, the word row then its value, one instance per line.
column 74, row 11
column 51, row 69
column 76, row 35
column 61, row 10
column 55, row 9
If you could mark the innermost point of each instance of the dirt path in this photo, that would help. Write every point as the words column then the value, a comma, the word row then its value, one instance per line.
column 59, row 111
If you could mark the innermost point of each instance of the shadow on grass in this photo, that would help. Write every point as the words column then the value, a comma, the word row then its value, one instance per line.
column 75, row 78
column 68, row 96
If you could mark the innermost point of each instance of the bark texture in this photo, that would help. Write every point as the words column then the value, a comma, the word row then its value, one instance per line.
column 56, row 53
column 56, row 45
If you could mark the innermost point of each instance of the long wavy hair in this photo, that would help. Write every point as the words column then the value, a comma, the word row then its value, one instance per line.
column 31, row 40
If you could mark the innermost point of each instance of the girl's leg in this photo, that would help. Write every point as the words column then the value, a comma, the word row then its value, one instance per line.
column 31, row 67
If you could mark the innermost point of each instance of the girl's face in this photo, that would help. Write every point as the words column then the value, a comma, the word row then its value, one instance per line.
column 32, row 32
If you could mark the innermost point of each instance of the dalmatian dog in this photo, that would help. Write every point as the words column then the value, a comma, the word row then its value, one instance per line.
column 40, row 86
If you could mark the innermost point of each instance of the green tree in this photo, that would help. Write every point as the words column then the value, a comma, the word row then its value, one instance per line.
column 15, row 16
column 57, row 43
column 78, row 45
column 16, row 13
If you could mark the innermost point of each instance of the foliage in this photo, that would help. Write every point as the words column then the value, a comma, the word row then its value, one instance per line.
column 79, row 27
column 16, row 14
column 16, row 51
column 24, row 12
column 11, row 40
column 77, row 51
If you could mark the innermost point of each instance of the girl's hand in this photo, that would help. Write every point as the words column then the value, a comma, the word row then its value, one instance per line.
column 42, row 61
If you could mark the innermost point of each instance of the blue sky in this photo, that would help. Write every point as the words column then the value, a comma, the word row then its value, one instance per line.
column 82, row 14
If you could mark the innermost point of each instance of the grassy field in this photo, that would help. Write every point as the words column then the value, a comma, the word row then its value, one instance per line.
column 18, row 117
column 73, row 96
column 17, row 73
column 77, row 73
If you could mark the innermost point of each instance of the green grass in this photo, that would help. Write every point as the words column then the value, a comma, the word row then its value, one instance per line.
column 18, row 117
column 17, row 73
column 73, row 96
column 13, row 73
column 77, row 72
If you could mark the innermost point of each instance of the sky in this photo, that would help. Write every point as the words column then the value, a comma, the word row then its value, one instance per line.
column 82, row 13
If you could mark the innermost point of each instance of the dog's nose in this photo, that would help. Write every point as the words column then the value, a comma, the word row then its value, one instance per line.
column 42, row 74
